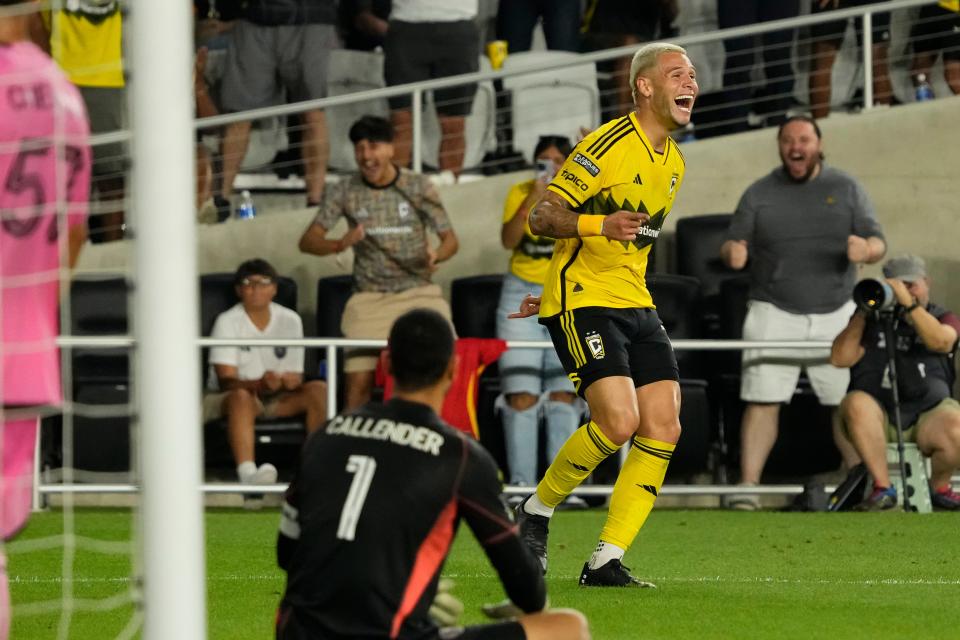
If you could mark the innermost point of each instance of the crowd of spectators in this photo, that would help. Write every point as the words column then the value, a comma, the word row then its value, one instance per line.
column 265, row 52
column 262, row 52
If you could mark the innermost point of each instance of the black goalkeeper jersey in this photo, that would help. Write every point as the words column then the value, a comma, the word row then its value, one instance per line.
column 369, row 519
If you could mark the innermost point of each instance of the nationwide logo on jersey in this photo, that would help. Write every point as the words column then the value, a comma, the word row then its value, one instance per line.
column 673, row 182
column 637, row 180
column 604, row 203
column 595, row 344
column 587, row 164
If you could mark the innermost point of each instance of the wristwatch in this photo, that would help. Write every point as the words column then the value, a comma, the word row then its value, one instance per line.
column 911, row 307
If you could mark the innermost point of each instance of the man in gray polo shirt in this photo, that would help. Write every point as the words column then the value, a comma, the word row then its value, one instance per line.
column 806, row 228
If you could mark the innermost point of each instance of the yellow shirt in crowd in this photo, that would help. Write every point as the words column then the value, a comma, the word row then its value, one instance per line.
column 85, row 40
column 531, row 258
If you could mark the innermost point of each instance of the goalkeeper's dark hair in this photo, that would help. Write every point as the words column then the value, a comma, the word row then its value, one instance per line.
column 254, row 267
column 421, row 345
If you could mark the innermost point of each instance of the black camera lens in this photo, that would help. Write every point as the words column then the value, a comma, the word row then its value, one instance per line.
column 874, row 295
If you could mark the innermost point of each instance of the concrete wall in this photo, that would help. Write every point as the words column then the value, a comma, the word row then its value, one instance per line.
column 906, row 157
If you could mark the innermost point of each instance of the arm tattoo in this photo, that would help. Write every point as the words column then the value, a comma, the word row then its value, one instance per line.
column 552, row 217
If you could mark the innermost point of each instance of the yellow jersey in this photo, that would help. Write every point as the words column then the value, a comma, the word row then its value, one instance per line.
column 614, row 168
column 531, row 258
column 85, row 40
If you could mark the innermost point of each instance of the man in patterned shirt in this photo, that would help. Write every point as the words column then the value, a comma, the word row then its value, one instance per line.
column 388, row 212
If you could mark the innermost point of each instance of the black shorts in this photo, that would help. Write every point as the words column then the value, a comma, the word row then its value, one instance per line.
column 600, row 342
column 415, row 51
column 511, row 630
column 833, row 31
column 937, row 29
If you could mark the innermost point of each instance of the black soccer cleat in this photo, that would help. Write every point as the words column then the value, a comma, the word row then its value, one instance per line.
column 533, row 532
column 612, row 574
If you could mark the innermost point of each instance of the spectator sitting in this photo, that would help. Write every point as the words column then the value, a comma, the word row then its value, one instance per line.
column 363, row 23
column 805, row 227
column 289, row 41
column 532, row 380
column 827, row 38
column 388, row 211
column 248, row 382
column 937, row 32
column 926, row 341
column 427, row 39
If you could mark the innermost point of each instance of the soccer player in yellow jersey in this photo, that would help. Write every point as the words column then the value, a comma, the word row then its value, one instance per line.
column 605, row 208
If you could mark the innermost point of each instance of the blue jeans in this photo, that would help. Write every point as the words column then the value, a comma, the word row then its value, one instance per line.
column 537, row 372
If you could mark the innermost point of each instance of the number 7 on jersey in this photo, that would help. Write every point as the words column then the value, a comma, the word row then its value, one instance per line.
column 362, row 468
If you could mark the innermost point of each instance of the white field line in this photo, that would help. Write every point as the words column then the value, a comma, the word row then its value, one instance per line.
column 936, row 581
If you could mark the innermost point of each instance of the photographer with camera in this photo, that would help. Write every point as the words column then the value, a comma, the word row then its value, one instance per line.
column 926, row 341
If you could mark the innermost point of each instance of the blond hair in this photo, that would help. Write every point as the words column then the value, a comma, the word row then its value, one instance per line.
column 646, row 58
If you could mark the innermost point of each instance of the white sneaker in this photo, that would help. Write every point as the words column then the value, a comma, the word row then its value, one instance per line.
column 265, row 474
column 743, row 501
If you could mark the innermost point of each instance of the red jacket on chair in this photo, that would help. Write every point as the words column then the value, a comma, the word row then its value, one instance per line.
column 460, row 405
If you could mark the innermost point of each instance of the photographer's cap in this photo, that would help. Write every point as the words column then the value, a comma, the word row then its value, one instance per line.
column 906, row 267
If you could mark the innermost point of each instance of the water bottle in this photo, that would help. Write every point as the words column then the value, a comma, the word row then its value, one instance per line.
column 924, row 90
column 246, row 210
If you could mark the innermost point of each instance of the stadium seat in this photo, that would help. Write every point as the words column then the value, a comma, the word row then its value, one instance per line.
column 692, row 455
column 698, row 240
column 100, row 380
column 473, row 303
column 556, row 102
column 332, row 295
column 805, row 443
column 677, row 299
column 101, row 428
column 277, row 439
column 98, row 307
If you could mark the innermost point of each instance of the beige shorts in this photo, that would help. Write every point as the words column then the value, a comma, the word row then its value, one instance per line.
column 910, row 435
column 770, row 375
column 213, row 405
column 370, row 314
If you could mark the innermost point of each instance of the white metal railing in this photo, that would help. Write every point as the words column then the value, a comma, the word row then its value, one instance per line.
column 416, row 90
column 333, row 345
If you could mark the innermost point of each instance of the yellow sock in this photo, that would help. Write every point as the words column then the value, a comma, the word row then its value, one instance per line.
column 636, row 490
column 577, row 458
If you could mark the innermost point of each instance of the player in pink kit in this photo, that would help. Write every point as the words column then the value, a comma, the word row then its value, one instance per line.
column 44, row 188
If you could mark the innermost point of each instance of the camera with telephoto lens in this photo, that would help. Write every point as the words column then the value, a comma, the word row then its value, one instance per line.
column 874, row 295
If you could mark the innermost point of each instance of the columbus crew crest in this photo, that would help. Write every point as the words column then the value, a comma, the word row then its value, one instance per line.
column 595, row 344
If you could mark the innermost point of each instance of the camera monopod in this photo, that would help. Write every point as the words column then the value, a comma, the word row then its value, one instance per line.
column 886, row 319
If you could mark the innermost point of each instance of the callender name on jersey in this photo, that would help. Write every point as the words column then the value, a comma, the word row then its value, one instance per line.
column 369, row 519
column 614, row 168
column 44, row 167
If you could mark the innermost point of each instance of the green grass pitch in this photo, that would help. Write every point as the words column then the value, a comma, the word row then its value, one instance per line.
column 720, row 575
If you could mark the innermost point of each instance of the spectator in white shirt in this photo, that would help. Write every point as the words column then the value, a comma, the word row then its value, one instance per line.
column 248, row 382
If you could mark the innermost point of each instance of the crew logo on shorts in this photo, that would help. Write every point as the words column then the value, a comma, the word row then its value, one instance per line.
column 595, row 343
